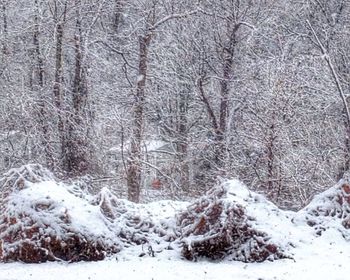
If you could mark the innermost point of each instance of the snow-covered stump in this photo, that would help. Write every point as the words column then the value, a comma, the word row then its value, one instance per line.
column 218, row 226
column 43, row 220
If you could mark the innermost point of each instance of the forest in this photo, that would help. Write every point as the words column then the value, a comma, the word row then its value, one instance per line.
column 210, row 136
column 162, row 99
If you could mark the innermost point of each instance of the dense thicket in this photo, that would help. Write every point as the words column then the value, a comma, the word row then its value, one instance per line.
column 161, row 98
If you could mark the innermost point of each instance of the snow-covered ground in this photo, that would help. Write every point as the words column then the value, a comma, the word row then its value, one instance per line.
column 326, row 258
column 315, row 238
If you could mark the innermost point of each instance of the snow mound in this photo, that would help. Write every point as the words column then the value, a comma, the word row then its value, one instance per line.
column 230, row 222
column 330, row 209
column 152, row 224
column 42, row 220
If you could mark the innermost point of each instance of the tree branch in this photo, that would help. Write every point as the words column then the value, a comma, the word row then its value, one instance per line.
column 169, row 17
column 208, row 106
column 327, row 58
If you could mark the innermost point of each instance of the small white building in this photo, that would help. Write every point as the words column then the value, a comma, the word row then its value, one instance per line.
column 157, row 158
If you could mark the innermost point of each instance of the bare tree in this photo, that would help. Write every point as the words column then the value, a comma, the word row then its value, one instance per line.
column 152, row 23
column 326, row 25
column 77, row 150
column 38, row 86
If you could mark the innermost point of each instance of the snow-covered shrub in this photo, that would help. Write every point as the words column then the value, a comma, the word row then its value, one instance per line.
column 139, row 223
column 43, row 220
column 16, row 178
column 329, row 209
column 222, row 223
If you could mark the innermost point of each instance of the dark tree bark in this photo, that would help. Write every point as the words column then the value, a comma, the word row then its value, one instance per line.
column 57, row 88
column 117, row 17
column 134, row 163
column 227, row 53
column 182, row 139
column 270, row 153
column 219, row 120
column 4, row 39
column 5, row 27
column 42, row 114
column 77, row 161
column 135, row 158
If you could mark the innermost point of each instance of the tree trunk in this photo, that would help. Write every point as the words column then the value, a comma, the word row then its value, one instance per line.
column 345, row 167
column 270, row 154
column 182, row 139
column 4, row 47
column 77, row 161
column 134, row 160
column 117, row 17
column 346, row 110
column 5, row 26
column 38, row 87
column 228, row 52
column 57, row 91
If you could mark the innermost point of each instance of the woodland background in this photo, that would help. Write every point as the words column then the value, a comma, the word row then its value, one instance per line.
column 161, row 99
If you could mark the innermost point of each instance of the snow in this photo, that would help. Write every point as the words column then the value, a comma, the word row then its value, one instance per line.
column 147, row 146
column 324, row 256
column 47, row 215
column 83, row 215
column 322, row 261
column 140, row 78
column 268, row 217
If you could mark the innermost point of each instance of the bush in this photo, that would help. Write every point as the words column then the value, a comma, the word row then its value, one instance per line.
column 41, row 220
column 138, row 223
column 216, row 226
column 329, row 209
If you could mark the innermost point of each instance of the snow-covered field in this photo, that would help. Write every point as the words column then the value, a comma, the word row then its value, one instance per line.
column 326, row 258
column 316, row 239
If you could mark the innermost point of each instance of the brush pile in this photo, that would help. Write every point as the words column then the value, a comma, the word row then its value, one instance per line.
column 41, row 220
column 219, row 225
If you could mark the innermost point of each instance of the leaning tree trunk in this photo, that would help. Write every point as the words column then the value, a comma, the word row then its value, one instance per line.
column 134, row 163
